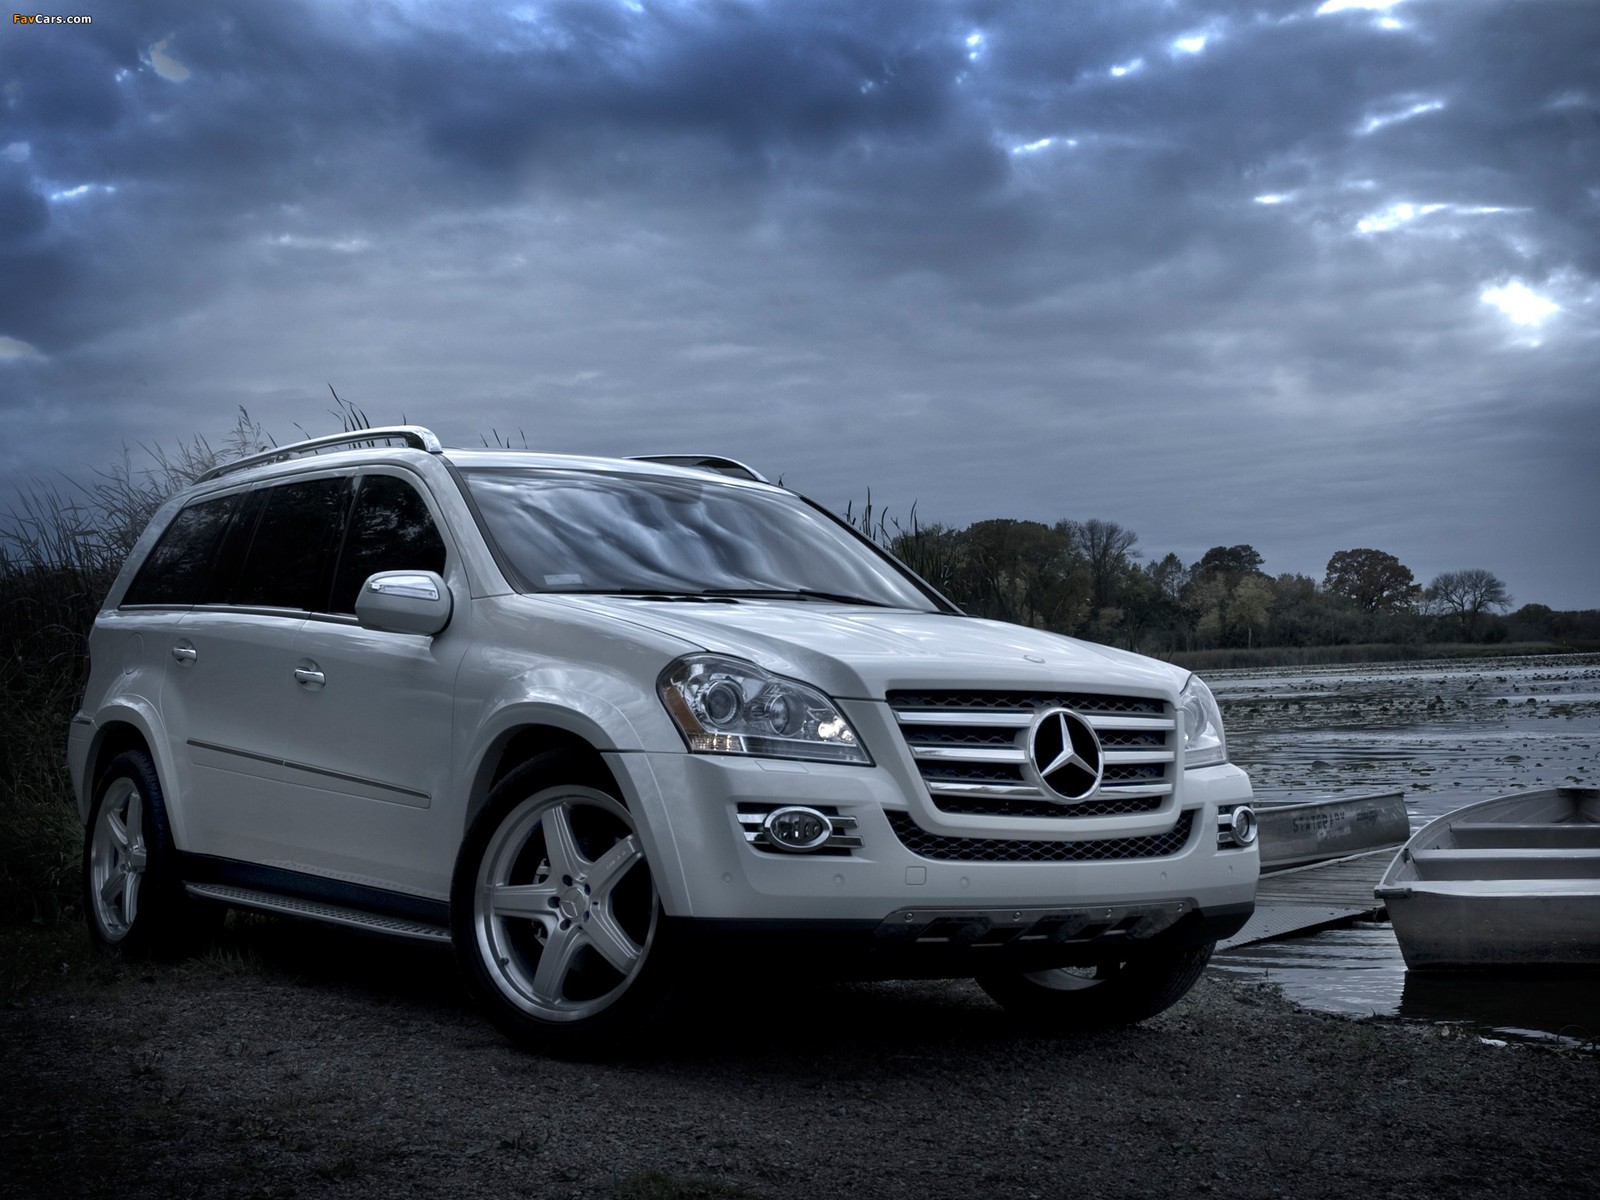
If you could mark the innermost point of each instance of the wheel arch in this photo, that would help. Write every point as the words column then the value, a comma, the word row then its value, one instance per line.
column 117, row 732
column 625, row 776
column 516, row 743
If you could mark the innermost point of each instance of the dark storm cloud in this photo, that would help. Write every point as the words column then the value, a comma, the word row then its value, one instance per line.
column 1004, row 236
column 753, row 82
column 866, row 124
column 285, row 109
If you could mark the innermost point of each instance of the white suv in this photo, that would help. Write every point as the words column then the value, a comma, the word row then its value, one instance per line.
column 591, row 719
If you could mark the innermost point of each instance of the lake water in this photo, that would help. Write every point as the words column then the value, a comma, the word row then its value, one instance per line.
column 1446, row 733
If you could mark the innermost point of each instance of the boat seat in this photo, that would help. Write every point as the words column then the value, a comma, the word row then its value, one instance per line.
column 1578, row 863
column 1486, row 835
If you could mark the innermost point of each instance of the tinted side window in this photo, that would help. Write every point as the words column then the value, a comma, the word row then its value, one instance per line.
column 178, row 567
column 231, row 549
column 390, row 530
column 291, row 556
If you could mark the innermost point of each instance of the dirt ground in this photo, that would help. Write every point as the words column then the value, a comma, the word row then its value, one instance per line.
column 300, row 1062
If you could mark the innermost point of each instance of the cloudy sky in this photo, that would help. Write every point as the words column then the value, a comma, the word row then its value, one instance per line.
column 1311, row 278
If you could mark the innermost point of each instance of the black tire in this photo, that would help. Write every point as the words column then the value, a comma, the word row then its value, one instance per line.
column 133, row 897
column 554, row 914
column 1105, row 997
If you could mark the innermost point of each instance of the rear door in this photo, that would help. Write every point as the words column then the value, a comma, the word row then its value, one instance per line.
column 231, row 682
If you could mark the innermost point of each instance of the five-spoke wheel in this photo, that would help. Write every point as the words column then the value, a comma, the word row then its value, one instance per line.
column 556, row 919
column 131, row 891
column 118, row 856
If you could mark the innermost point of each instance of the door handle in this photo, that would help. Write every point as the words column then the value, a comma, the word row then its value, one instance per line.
column 309, row 676
column 185, row 653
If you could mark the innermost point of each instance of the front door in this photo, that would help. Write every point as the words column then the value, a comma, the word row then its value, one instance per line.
column 371, row 714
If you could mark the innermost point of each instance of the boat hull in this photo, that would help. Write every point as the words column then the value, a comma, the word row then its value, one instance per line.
column 1506, row 884
column 1444, row 930
column 1293, row 835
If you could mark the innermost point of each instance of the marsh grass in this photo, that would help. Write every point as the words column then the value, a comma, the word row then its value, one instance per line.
column 53, row 957
column 1239, row 658
column 61, row 546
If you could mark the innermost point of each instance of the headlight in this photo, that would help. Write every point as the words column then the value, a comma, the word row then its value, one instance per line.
column 726, row 706
column 1203, row 743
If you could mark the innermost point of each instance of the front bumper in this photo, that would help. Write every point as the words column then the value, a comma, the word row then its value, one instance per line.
column 953, row 943
column 706, row 870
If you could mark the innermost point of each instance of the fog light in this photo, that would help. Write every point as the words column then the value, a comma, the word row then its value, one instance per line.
column 1241, row 826
column 797, row 829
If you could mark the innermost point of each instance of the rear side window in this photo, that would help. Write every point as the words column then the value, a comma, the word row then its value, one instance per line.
column 179, row 567
column 290, row 561
column 390, row 530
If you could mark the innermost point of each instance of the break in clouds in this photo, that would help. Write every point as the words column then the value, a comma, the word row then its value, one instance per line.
column 1305, row 277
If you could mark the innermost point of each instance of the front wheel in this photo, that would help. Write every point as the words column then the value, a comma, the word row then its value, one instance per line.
column 1100, row 997
column 554, row 913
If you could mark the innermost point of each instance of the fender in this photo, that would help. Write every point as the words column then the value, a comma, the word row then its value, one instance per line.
column 138, row 712
column 575, row 704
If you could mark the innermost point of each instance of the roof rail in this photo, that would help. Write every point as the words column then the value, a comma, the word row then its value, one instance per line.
column 704, row 462
column 408, row 435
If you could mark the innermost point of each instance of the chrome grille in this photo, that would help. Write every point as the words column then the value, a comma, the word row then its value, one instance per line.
column 970, row 750
column 962, row 849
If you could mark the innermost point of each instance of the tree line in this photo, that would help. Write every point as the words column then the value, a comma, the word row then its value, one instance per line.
column 1090, row 579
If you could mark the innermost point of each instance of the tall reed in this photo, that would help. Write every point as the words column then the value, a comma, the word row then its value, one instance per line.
column 61, row 545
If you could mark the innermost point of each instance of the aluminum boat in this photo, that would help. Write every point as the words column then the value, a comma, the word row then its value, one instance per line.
column 1508, row 883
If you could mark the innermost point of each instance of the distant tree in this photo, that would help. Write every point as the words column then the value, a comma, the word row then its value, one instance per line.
column 1153, row 603
column 1107, row 549
column 1167, row 577
column 1290, row 588
column 1250, row 605
column 1021, row 571
column 1467, row 594
column 1303, row 615
column 1232, row 561
column 1532, row 622
column 1370, row 579
column 1206, row 600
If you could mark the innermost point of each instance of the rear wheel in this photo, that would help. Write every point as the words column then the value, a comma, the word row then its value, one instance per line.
column 554, row 912
column 133, row 897
column 1099, row 997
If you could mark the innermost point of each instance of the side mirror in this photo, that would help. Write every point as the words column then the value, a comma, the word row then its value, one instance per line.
column 404, row 602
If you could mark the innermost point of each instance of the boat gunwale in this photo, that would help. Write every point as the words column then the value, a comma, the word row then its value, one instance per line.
column 1402, row 872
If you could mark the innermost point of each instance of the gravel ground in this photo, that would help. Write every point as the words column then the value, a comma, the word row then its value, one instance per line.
column 308, row 1063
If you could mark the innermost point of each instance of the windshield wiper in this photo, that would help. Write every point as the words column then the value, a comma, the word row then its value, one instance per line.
column 792, row 594
column 643, row 594
column 724, row 595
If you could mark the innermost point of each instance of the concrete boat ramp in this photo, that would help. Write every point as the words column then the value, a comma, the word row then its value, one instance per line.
column 1302, row 900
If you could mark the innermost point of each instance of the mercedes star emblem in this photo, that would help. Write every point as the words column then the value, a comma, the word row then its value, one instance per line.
column 1064, row 755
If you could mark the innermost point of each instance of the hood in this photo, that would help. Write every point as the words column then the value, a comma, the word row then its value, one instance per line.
column 853, row 652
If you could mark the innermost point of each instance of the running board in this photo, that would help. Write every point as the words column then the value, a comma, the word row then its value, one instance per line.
column 316, row 910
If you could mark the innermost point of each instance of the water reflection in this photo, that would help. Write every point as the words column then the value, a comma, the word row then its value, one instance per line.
column 1358, row 971
column 1567, row 1009
column 1447, row 734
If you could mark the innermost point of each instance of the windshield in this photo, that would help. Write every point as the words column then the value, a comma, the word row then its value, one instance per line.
column 592, row 531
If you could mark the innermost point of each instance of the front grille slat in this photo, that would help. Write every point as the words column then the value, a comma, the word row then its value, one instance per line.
column 969, row 748
column 1005, row 754
column 1087, row 703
